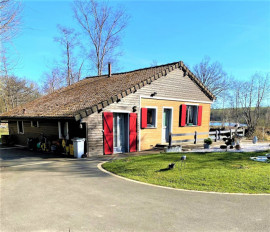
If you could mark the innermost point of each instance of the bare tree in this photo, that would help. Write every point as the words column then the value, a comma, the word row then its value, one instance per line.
column 9, row 19
column 52, row 81
column 68, row 39
column 154, row 63
column 212, row 76
column 250, row 97
column 103, row 26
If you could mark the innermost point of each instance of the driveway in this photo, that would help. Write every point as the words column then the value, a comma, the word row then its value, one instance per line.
column 41, row 193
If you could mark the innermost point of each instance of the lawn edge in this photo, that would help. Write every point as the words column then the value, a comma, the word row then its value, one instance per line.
column 99, row 166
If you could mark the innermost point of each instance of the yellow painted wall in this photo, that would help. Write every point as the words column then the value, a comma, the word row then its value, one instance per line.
column 149, row 137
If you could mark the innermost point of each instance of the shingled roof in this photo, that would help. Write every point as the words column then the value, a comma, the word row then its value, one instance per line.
column 94, row 93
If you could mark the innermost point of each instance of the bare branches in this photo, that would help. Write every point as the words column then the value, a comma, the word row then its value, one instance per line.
column 9, row 19
column 68, row 40
column 212, row 76
column 103, row 26
column 52, row 81
column 249, row 98
column 69, row 69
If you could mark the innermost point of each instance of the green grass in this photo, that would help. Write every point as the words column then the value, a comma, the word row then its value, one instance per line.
column 3, row 131
column 219, row 172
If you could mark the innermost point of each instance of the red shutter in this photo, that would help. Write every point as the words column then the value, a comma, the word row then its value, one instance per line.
column 143, row 118
column 132, row 132
column 199, row 116
column 183, row 109
column 108, row 132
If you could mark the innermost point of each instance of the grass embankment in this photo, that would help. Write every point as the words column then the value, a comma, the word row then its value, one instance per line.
column 3, row 131
column 219, row 172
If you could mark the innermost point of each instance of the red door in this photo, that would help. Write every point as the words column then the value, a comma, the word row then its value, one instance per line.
column 108, row 133
column 132, row 132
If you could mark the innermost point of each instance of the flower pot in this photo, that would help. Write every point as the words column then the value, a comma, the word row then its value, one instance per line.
column 206, row 146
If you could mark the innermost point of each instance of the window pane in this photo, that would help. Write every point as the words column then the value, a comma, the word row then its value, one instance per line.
column 20, row 126
column 191, row 115
column 151, row 117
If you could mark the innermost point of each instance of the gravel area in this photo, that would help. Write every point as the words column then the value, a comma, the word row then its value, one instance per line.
column 245, row 147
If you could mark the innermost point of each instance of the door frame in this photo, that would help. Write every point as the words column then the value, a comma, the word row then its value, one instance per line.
column 171, row 126
column 127, row 127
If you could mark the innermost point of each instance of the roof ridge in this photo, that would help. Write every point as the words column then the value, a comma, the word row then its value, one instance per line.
column 136, row 70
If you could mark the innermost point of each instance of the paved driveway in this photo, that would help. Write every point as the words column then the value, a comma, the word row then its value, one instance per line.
column 41, row 193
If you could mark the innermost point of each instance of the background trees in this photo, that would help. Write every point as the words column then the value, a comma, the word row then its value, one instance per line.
column 247, row 102
column 249, row 98
column 212, row 76
column 68, row 67
column 14, row 91
column 103, row 26
column 68, row 40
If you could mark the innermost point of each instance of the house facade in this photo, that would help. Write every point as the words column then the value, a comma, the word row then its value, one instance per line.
column 123, row 112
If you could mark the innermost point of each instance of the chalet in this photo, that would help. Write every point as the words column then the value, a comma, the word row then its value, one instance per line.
column 121, row 112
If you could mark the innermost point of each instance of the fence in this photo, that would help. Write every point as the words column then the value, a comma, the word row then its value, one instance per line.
column 215, row 135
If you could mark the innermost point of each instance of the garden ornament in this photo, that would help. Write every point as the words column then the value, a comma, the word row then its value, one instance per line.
column 255, row 140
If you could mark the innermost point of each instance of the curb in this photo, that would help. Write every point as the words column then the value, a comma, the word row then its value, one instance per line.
column 99, row 166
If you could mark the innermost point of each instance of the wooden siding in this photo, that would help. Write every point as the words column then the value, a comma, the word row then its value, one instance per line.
column 174, row 85
column 152, row 136
column 48, row 128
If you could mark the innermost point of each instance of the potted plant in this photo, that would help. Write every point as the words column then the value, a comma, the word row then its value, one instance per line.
column 207, row 143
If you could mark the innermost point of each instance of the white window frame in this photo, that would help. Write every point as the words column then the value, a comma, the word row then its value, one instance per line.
column 170, row 108
column 196, row 116
column 32, row 125
column 171, row 126
column 18, row 128
column 156, row 118
column 60, row 131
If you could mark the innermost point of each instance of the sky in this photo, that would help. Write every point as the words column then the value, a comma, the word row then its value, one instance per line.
column 234, row 33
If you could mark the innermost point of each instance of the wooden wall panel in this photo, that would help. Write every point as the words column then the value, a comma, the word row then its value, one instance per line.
column 152, row 136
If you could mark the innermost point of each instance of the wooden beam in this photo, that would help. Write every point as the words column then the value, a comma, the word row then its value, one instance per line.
column 114, row 98
column 99, row 106
column 104, row 104
column 77, row 117
column 94, row 109
column 124, row 94
column 110, row 101
column 119, row 96
column 89, row 111
column 83, row 114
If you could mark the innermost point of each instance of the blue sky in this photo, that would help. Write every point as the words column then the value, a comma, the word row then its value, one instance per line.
column 237, row 34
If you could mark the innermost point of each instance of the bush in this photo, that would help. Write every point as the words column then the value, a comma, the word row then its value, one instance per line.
column 208, row 141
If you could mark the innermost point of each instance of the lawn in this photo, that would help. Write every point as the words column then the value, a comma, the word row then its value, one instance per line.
column 219, row 172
